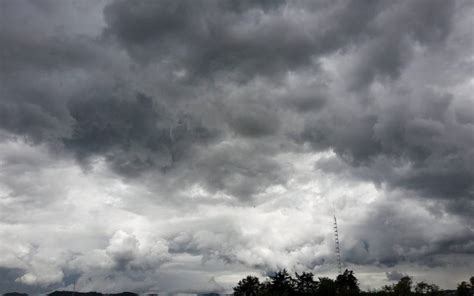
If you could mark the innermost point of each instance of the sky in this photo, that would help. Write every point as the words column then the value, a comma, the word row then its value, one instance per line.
column 178, row 146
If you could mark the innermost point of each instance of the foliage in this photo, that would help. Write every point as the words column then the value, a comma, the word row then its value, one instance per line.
column 249, row 286
column 326, row 287
column 346, row 283
column 423, row 288
column 282, row 283
column 305, row 284
column 464, row 289
column 403, row 287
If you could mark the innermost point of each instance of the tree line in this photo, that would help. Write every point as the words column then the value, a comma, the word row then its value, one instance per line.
column 346, row 284
column 282, row 283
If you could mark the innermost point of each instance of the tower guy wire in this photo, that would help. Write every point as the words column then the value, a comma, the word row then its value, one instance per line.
column 338, row 251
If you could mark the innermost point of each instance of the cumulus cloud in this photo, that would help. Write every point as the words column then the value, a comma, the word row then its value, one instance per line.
column 394, row 275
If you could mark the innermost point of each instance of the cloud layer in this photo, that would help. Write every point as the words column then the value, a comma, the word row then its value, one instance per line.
column 176, row 146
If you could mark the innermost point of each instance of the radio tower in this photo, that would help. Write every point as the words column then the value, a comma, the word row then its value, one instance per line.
column 338, row 251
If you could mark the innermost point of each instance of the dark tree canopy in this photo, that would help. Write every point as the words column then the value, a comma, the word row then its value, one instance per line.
column 305, row 284
column 464, row 289
column 423, row 288
column 403, row 287
column 346, row 283
column 326, row 286
column 281, row 283
column 249, row 286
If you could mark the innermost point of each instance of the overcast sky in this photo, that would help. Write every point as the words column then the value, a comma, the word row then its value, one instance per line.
column 177, row 146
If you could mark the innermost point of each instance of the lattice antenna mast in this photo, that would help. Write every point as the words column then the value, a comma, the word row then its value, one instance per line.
column 338, row 250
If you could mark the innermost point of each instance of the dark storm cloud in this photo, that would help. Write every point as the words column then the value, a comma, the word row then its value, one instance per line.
column 254, row 119
column 203, row 39
column 236, row 40
column 306, row 100
column 435, row 149
column 8, row 283
column 60, row 88
column 421, row 132
column 402, row 237
column 393, row 34
column 43, row 66
column 240, row 170
column 427, row 139
column 133, row 135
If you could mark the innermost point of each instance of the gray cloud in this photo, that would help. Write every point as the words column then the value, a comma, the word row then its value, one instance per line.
column 394, row 275
column 254, row 121
column 8, row 283
column 133, row 135
column 237, row 41
column 430, row 148
column 394, row 33
column 240, row 170
column 404, row 238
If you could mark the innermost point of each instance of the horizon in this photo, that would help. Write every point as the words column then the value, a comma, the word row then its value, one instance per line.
column 416, row 288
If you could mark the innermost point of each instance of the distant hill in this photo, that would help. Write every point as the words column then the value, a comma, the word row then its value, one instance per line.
column 71, row 293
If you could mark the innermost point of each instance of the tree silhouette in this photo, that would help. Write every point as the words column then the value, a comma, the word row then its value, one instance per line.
column 463, row 289
column 281, row 283
column 387, row 290
column 305, row 284
column 346, row 284
column 403, row 287
column 249, row 286
column 326, row 286
column 423, row 288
